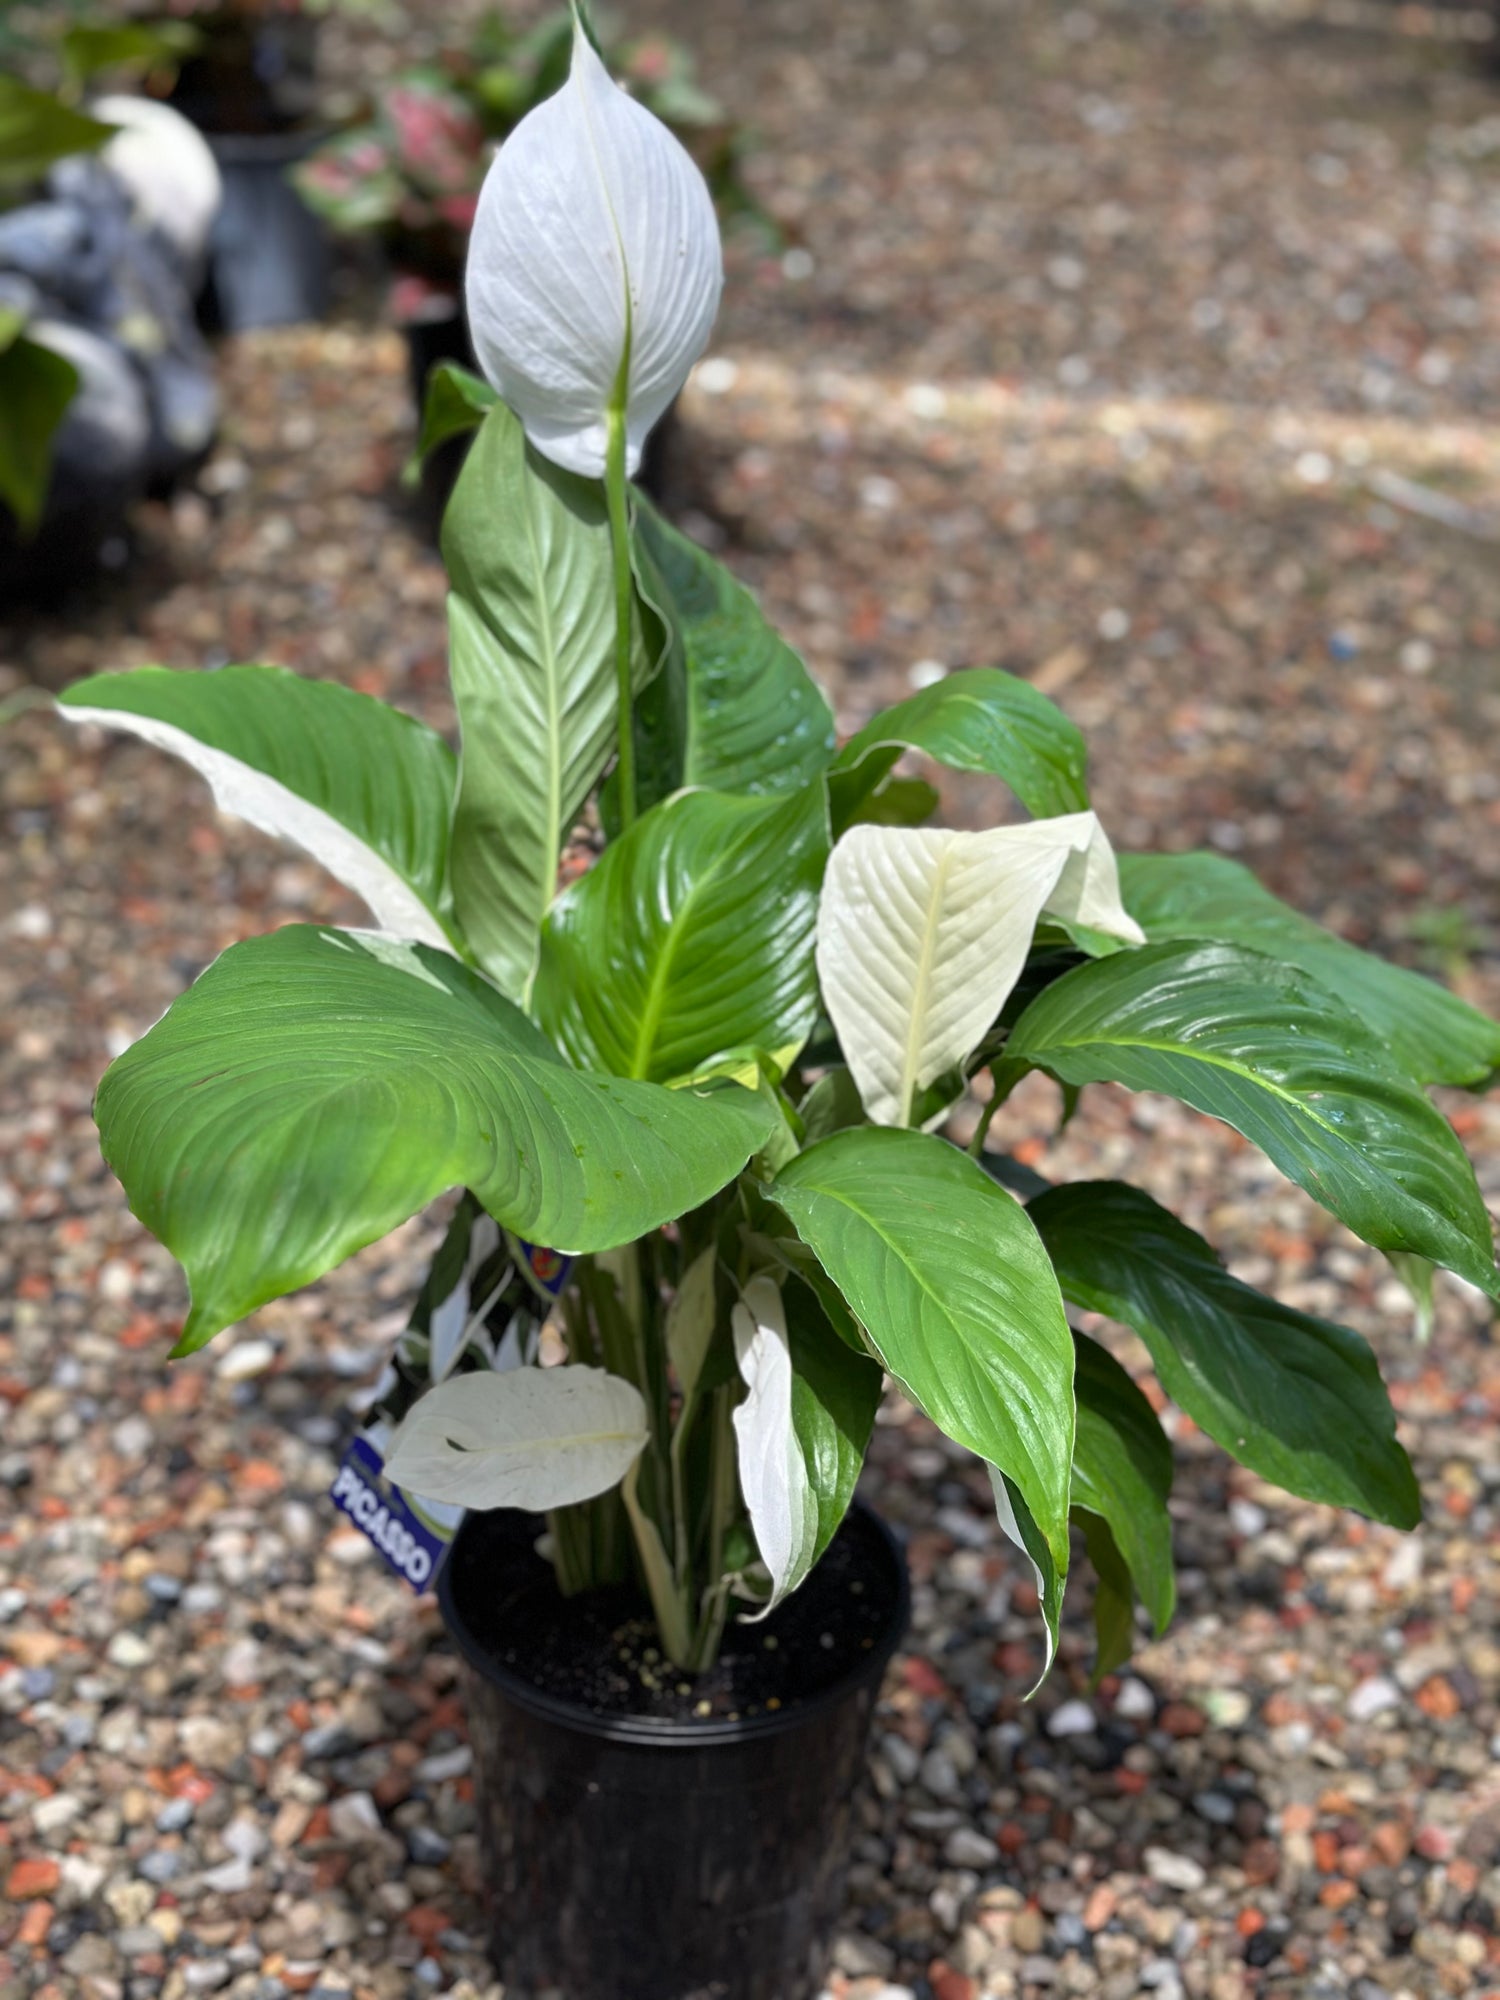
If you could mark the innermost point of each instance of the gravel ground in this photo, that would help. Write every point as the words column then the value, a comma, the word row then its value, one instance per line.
column 1117, row 347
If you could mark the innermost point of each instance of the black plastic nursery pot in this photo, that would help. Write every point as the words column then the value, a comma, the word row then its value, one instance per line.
column 674, row 1855
column 268, row 254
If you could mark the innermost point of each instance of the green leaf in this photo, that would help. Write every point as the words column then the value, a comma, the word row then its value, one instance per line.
column 977, row 719
column 532, row 634
column 1122, row 1471
column 317, row 1087
column 362, row 788
column 1296, row 1399
column 898, row 802
column 37, row 129
column 1434, row 1036
column 1114, row 1596
column 955, row 1294
column 832, row 1105
column 660, row 719
column 691, row 937
column 691, row 1319
column 1262, row 1046
column 835, row 1394
column 36, row 387
column 454, row 401
column 756, row 721
column 89, row 48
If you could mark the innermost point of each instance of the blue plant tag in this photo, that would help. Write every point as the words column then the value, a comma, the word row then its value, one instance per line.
column 547, row 1271
column 412, row 1540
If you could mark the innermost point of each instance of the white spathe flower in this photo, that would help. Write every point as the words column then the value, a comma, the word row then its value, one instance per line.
column 595, row 234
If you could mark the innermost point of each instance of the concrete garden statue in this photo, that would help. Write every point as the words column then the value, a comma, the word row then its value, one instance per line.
column 713, row 1071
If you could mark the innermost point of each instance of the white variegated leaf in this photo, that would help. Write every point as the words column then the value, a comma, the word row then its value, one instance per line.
column 922, row 933
column 366, row 791
column 531, row 1437
column 1047, row 1597
column 773, row 1472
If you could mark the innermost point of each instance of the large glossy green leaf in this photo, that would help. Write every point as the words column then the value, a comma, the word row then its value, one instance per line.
column 756, row 721
column 1261, row 1045
column 365, row 790
column 661, row 710
column 692, row 936
column 1297, row 1399
column 1434, row 1036
column 36, row 388
column 532, row 635
column 1122, row 1471
column 954, row 1291
column 977, row 719
column 316, row 1087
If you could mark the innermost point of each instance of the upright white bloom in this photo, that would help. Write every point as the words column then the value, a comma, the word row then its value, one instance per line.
column 595, row 240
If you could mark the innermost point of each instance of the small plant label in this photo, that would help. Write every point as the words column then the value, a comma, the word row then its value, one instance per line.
column 411, row 1544
column 547, row 1271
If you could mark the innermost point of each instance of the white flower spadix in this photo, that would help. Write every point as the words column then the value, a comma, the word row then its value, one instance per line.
column 594, row 268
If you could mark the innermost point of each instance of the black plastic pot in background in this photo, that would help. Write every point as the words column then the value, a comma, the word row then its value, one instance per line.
column 268, row 255
column 630, row 1856
column 251, row 89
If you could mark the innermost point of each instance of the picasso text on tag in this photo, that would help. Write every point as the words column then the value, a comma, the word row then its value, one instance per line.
column 383, row 1526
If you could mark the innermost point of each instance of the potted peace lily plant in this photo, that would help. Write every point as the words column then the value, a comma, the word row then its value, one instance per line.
column 709, row 1077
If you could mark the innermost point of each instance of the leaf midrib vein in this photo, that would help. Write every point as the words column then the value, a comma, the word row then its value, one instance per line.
column 552, row 832
column 922, row 985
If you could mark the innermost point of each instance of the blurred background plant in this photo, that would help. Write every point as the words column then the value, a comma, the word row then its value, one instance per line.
column 70, row 47
column 106, row 391
column 408, row 171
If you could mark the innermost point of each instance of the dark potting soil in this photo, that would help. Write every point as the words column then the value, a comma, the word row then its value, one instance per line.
column 600, row 1650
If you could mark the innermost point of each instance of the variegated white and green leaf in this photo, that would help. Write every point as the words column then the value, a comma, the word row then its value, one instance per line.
column 531, row 1437
column 773, row 1472
column 365, row 790
column 923, row 932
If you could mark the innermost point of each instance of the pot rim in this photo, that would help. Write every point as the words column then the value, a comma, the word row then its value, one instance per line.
column 663, row 1733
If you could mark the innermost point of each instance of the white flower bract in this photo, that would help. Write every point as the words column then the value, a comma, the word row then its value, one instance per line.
column 591, row 203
